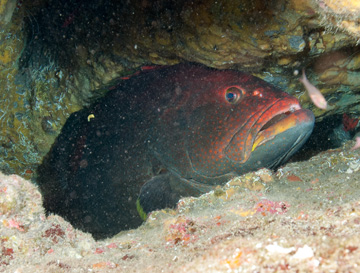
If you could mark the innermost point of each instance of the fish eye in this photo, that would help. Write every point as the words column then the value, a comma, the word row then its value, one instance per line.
column 233, row 94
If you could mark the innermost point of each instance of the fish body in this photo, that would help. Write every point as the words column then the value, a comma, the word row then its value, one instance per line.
column 163, row 134
column 357, row 144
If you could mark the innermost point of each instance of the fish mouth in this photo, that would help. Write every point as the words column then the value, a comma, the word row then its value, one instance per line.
column 287, row 122
column 277, row 124
column 284, row 115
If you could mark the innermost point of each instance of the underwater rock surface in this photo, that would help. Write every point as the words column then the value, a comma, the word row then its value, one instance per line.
column 304, row 217
column 56, row 56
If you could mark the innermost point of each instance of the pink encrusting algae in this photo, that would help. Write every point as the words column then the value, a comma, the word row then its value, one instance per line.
column 349, row 123
column 267, row 206
column 314, row 93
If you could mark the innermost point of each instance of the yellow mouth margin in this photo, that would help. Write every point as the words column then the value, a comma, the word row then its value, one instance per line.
column 281, row 126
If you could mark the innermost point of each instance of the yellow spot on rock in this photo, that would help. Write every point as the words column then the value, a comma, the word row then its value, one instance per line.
column 243, row 213
column 235, row 260
column 5, row 57
column 228, row 194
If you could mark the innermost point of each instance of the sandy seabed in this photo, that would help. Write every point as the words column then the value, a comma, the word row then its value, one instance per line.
column 303, row 218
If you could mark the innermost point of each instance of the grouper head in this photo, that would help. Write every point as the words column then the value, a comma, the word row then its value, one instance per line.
column 221, row 123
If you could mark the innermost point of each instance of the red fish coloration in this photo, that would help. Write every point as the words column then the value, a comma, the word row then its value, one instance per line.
column 163, row 134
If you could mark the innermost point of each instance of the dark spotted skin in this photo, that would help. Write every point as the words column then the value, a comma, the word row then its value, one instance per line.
column 182, row 130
